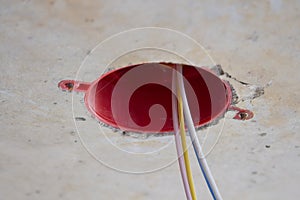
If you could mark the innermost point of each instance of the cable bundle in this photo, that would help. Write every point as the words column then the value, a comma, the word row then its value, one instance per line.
column 182, row 114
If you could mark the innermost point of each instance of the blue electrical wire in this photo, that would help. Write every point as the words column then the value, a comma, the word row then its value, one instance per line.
column 196, row 144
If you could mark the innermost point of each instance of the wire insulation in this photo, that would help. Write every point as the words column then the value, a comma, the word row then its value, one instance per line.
column 196, row 144
column 184, row 146
column 178, row 140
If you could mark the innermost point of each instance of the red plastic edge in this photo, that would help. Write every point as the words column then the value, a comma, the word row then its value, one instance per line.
column 242, row 114
column 72, row 85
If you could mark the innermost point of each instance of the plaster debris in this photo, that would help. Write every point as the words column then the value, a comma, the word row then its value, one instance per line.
column 254, row 92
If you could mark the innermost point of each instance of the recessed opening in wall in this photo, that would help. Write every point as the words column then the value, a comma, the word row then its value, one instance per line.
column 138, row 97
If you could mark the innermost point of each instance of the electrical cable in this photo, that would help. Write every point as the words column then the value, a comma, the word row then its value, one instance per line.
column 178, row 141
column 196, row 144
column 184, row 146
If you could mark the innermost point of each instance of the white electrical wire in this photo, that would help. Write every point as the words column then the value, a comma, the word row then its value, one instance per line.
column 196, row 144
